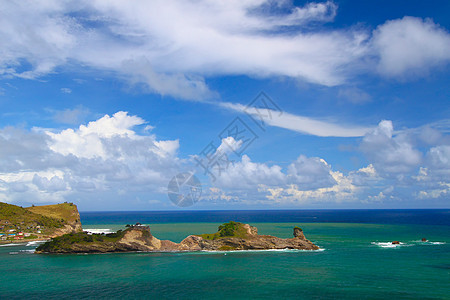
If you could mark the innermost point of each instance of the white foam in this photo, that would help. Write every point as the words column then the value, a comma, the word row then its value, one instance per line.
column 34, row 243
column 251, row 251
column 387, row 244
column 7, row 245
column 27, row 251
column 97, row 231
column 427, row 242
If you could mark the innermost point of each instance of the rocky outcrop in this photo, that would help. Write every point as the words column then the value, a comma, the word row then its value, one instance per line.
column 139, row 238
column 73, row 224
column 298, row 233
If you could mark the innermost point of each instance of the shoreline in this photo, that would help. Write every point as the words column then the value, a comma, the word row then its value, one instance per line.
column 3, row 243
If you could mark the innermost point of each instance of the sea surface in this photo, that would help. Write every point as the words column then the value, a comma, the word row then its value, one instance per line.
column 356, row 260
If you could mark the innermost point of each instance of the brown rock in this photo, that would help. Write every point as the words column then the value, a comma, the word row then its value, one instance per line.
column 395, row 243
column 298, row 233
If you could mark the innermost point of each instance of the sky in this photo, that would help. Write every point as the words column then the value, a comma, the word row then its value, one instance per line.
column 211, row 105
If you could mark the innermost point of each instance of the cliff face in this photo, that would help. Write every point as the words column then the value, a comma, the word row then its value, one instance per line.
column 236, row 236
column 73, row 222
column 67, row 212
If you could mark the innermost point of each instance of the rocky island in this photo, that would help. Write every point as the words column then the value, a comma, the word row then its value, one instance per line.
column 230, row 236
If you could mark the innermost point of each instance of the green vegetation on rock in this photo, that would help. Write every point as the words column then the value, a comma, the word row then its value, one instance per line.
column 67, row 240
column 230, row 229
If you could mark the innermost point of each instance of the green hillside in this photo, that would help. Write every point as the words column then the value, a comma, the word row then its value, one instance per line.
column 12, row 216
column 40, row 221
column 65, row 211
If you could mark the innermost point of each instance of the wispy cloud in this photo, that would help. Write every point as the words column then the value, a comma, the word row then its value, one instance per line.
column 66, row 91
column 302, row 124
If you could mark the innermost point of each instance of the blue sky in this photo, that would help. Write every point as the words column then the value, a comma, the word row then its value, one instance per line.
column 103, row 103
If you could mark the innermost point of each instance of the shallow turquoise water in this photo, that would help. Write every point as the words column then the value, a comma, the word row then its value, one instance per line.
column 351, row 266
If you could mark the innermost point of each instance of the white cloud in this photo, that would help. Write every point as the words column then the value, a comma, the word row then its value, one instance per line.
column 52, row 185
column 342, row 191
column 110, row 156
column 246, row 174
column 105, row 155
column 301, row 124
column 306, row 173
column 389, row 153
column 228, row 145
column 87, row 141
column 171, row 46
column 66, row 91
column 439, row 157
column 310, row 173
column 365, row 176
column 410, row 46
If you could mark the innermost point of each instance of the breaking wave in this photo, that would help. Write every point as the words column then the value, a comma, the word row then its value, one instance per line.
column 412, row 243
column 96, row 231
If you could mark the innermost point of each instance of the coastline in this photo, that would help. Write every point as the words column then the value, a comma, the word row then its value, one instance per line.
column 5, row 243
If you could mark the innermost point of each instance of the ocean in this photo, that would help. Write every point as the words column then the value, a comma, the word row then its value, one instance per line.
column 356, row 259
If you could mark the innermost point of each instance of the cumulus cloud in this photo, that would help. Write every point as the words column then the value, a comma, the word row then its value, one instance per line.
column 342, row 191
column 411, row 163
column 439, row 157
column 105, row 155
column 414, row 162
column 111, row 155
column 305, row 172
column 410, row 46
column 310, row 173
column 246, row 174
column 389, row 153
column 228, row 145
column 87, row 142
column 52, row 185
column 258, row 181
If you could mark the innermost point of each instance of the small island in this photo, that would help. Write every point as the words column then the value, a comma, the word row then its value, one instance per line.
column 230, row 236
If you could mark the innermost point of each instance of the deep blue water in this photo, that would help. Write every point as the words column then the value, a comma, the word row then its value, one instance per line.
column 381, row 216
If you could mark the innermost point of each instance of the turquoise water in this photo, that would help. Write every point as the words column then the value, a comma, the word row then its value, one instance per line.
column 353, row 265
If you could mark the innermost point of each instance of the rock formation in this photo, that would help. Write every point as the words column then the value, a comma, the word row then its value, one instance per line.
column 231, row 236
